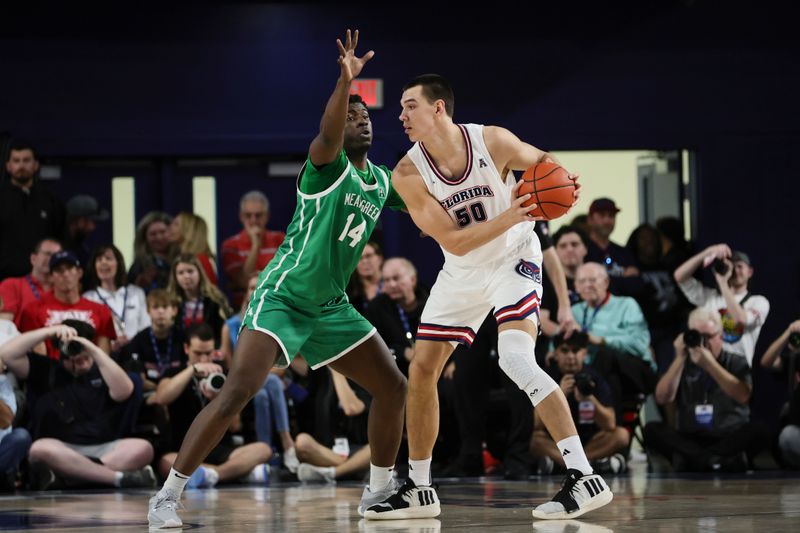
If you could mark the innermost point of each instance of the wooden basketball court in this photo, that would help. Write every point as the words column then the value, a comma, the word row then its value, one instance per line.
column 761, row 502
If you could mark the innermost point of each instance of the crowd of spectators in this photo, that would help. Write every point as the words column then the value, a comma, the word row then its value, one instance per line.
column 103, row 368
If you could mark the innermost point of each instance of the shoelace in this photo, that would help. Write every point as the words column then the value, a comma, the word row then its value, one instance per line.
column 168, row 500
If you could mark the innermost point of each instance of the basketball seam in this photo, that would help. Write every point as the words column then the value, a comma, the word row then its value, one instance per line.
column 543, row 177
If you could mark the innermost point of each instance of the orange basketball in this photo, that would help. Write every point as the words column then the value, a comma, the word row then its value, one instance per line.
column 550, row 188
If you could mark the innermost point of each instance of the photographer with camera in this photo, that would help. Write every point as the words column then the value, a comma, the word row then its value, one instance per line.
column 592, row 407
column 742, row 313
column 711, row 389
column 185, row 390
column 784, row 353
column 79, row 408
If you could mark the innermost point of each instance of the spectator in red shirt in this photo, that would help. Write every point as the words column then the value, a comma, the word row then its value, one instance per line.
column 189, row 232
column 65, row 302
column 251, row 249
column 16, row 293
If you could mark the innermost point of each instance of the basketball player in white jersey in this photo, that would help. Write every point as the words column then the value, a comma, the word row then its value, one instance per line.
column 452, row 181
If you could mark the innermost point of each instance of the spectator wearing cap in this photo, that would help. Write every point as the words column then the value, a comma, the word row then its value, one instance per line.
column 65, row 302
column 618, row 261
column 16, row 293
column 591, row 403
column 29, row 212
column 83, row 213
column 742, row 312
column 251, row 249
column 82, row 408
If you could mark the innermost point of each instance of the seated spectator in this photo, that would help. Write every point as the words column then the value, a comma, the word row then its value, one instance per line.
column 612, row 321
column 29, row 211
column 200, row 300
column 106, row 285
column 571, row 247
column 742, row 312
column 83, row 214
column 19, row 292
column 365, row 283
column 65, row 302
column 711, row 389
column 158, row 348
column 344, row 450
column 189, row 233
column 152, row 252
column 250, row 250
column 602, row 220
column 14, row 441
column 185, row 391
column 395, row 312
column 270, row 401
column 593, row 410
column 663, row 305
column 80, row 411
column 784, row 354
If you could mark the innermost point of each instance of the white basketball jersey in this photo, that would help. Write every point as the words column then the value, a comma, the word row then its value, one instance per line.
column 477, row 196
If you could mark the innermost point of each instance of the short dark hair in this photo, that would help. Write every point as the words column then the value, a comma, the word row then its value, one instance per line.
column 39, row 244
column 84, row 329
column 18, row 145
column 201, row 331
column 577, row 340
column 563, row 230
column 356, row 99
column 435, row 87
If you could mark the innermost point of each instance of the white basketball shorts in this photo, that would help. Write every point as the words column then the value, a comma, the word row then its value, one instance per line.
column 463, row 296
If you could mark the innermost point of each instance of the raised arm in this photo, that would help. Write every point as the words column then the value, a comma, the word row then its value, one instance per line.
column 328, row 143
column 432, row 219
column 14, row 353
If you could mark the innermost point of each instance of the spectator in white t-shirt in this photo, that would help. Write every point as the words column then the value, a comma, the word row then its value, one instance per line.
column 742, row 313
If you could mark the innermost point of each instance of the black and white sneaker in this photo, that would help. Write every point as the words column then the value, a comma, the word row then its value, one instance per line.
column 579, row 494
column 409, row 501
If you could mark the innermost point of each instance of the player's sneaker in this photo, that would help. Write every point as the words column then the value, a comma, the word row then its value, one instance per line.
column 579, row 494
column 409, row 501
column 420, row 525
column 369, row 498
column 163, row 512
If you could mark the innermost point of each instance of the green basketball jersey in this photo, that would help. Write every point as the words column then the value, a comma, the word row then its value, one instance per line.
column 328, row 231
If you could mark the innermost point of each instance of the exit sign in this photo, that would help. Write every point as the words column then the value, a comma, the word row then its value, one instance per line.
column 370, row 89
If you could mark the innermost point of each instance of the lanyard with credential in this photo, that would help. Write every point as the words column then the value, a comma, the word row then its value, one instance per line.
column 119, row 317
column 406, row 325
column 32, row 285
column 586, row 325
column 163, row 364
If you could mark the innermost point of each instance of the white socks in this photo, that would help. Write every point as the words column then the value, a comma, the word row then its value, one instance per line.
column 420, row 472
column 379, row 477
column 176, row 481
column 574, row 457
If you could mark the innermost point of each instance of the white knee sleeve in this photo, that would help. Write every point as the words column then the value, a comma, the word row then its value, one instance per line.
column 518, row 361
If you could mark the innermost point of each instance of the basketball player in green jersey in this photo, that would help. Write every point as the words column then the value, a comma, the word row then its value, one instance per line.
column 300, row 304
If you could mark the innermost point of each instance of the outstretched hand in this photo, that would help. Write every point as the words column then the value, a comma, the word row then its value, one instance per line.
column 350, row 63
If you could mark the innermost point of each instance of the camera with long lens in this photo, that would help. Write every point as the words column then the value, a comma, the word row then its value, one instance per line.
column 720, row 266
column 585, row 384
column 70, row 349
column 214, row 382
column 692, row 338
column 794, row 340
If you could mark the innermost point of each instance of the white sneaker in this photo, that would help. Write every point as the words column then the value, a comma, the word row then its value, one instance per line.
column 290, row 460
column 420, row 525
column 579, row 494
column 409, row 501
column 162, row 513
column 369, row 498
column 315, row 474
